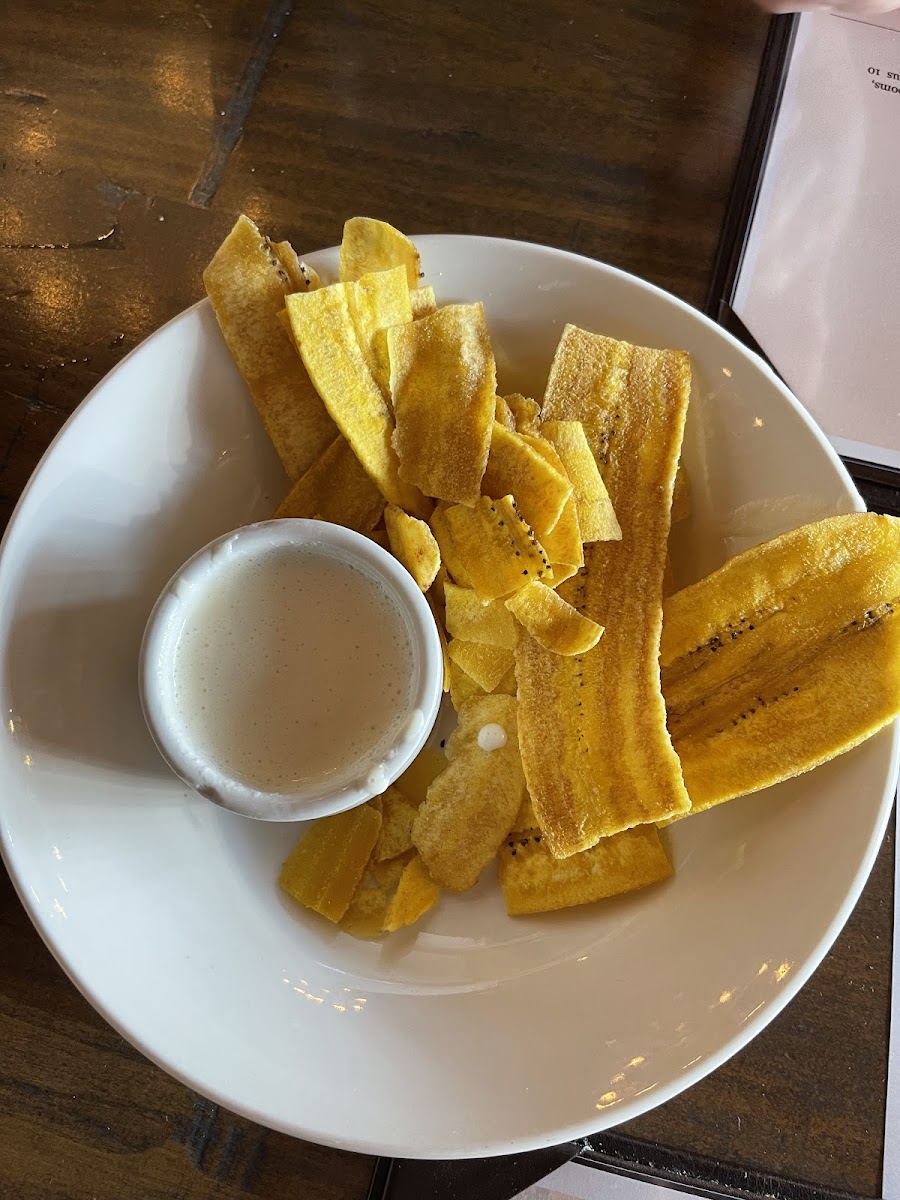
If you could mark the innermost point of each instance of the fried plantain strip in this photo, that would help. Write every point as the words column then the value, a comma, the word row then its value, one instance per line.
column 596, row 751
column 247, row 284
column 786, row 656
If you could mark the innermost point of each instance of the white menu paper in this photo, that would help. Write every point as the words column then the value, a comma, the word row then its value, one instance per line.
column 819, row 285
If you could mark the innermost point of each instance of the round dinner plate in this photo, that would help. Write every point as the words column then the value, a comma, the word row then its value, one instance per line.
column 472, row 1033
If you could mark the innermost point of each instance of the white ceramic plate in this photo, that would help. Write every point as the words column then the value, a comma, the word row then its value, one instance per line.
column 472, row 1034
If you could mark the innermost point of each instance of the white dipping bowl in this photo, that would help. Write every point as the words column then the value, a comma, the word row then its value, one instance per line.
column 171, row 728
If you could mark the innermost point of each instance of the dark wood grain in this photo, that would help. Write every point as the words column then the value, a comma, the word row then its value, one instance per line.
column 130, row 136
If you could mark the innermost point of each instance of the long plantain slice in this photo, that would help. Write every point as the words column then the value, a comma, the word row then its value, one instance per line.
column 413, row 543
column 370, row 245
column 471, row 619
column 325, row 333
column 336, row 489
column 443, row 383
column 596, row 751
column 533, row 881
column 552, row 621
column 786, row 656
column 516, row 468
column 325, row 867
column 471, row 806
column 596, row 518
column 489, row 547
column 247, row 284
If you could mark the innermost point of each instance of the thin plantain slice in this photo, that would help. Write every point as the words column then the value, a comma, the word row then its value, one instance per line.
column 469, row 618
column 489, row 547
column 526, row 413
column 533, row 881
column 471, row 806
column 422, row 301
column 552, row 621
column 247, row 284
column 416, row 893
column 563, row 544
column 325, row 333
column 336, row 489
column 413, row 543
column 487, row 665
column 462, row 687
column 443, row 384
column 325, row 867
column 596, row 751
column 503, row 414
column 303, row 278
column 596, row 518
column 378, row 301
column 786, row 656
column 515, row 468
column 370, row 245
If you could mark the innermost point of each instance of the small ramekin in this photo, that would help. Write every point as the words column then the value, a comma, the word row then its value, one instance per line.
column 157, row 674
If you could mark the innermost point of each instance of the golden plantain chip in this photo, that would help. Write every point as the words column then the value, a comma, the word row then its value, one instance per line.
column 413, row 543
column 681, row 495
column 507, row 685
column 336, row 489
column 325, row 334
column 563, row 543
column 472, row 620
column 462, row 687
column 503, row 414
column 397, row 816
column 380, row 536
column 596, row 518
column 786, row 656
column 516, row 468
column 365, row 914
column 596, row 751
column 422, row 301
column 418, row 776
column 416, row 893
column 552, row 621
column 302, row 277
column 487, row 665
column 378, row 301
column 471, row 805
column 533, row 881
column 489, row 548
column 436, row 591
column 562, row 572
column 443, row 381
column 387, row 872
column 370, row 245
column 247, row 285
column 526, row 413
column 324, row 869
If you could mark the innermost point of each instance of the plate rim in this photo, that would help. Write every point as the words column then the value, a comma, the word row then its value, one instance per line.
column 636, row 1106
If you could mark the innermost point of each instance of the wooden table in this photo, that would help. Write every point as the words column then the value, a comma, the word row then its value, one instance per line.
column 130, row 137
